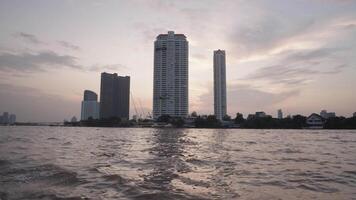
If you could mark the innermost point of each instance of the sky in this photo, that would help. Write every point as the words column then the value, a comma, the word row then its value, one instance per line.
column 297, row 55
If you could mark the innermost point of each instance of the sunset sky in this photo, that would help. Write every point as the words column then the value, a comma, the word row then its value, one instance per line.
column 297, row 55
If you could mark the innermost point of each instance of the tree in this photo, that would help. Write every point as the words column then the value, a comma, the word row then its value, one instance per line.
column 164, row 118
column 194, row 114
column 239, row 119
column 208, row 122
column 227, row 118
column 177, row 122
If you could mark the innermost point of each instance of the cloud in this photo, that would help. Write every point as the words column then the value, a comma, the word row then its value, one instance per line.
column 68, row 45
column 299, row 67
column 28, row 37
column 32, row 62
column 112, row 67
column 47, row 60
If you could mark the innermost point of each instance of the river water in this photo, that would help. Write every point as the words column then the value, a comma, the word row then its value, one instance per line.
column 116, row 163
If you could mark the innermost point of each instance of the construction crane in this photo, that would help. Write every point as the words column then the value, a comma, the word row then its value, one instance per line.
column 133, row 102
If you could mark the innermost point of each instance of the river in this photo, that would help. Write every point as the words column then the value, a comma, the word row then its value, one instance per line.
column 135, row 163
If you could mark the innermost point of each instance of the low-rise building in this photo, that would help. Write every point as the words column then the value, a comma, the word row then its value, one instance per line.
column 260, row 114
column 250, row 116
column 315, row 121
column 326, row 115
column 74, row 119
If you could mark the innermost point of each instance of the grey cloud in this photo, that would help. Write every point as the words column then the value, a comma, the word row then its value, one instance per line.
column 69, row 45
column 276, row 23
column 299, row 67
column 28, row 37
column 265, row 33
column 113, row 67
column 311, row 55
column 29, row 62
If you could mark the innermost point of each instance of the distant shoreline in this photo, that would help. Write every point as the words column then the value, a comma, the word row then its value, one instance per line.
column 137, row 127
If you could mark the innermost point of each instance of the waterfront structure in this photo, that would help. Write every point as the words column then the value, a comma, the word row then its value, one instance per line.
column 326, row 115
column 315, row 121
column 5, row 118
column 114, row 96
column 90, row 106
column 260, row 114
column 219, row 84
column 170, row 77
column 280, row 114
column 73, row 120
column 12, row 119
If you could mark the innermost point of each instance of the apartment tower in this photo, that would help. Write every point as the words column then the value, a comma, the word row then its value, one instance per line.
column 219, row 84
column 170, row 79
column 114, row 96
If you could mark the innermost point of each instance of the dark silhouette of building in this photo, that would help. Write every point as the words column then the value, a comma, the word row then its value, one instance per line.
column 114, row 96
column 90, row 96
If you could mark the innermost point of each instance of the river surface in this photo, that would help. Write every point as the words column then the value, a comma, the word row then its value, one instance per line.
column 117, row 163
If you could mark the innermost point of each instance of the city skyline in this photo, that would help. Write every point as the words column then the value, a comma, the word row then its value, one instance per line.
column 278, row 58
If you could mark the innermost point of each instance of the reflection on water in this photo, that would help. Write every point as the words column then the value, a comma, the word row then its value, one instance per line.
column 109, row 163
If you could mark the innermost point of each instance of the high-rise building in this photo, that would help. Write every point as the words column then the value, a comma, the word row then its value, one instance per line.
column 280, row 114
column 5, row 118
column 114, row 96
column 90, row 96
column 170, row 79
column 219, row 84
column 12, row 119
column 90, row 106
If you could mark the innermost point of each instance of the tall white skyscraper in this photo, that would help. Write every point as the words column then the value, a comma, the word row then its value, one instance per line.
column 219, row 84
column 170, row 79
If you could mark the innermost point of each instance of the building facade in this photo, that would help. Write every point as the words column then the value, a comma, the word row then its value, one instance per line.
column 90, row 106
column 326, row 115
column 12, row 119
column 280, row 114
column 170, row 78
column 219, row 84
column 90, row 96
column 315, row 121
column 114, row 96
column 7, row 118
